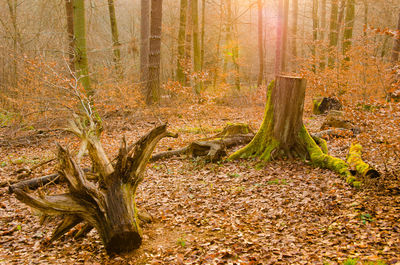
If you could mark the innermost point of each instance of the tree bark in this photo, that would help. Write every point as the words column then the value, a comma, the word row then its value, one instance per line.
column 348, row 29
column 81, row 60
column 282, row 132
column 315, row 33
column 153, row 85
column 144, row 42
column 285, row 35
column 322, row 35
column 69, row 10
column 203, row 23
column 115, row 42
column 396, row 45
column 295, row 5
column 279, row 26
column 260, row 43
column 196, row 47
column 188, row 46
column 180, row 75
column 333, row 32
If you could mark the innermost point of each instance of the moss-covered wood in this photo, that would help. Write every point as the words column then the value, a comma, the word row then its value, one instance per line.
column 282, row 132
column 357, row 165
column 109, row 205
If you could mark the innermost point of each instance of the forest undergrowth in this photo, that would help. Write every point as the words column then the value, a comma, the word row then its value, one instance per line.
column 286, row 212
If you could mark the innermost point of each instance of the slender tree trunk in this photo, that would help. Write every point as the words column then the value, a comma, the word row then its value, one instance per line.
column 322, row 33
column 180, row 75
column 153, row 85
column 115, row 41
column 279, row 32
column 315, row 33
column 260, row 43
column 221, row 10
column 285, row 35
column 144, row 42
column 349, row 23
column 295, row 5
column 12, row 8
column 81, row 60
column 69, row 10
column 396, row 45
column 188, row 46
column 203, row 16
column 235, row 50
column 333, row 32
column 196, row 47
column 365, row 17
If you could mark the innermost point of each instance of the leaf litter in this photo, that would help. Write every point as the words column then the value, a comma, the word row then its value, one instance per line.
column 286, row 212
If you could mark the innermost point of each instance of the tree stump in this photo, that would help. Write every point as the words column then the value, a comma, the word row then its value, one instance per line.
column 282, row 132
column 109, row 205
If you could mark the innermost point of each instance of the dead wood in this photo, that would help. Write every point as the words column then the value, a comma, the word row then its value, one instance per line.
column 108, row 206
column 213, row 148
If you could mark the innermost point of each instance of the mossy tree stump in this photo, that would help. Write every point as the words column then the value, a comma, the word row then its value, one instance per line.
column 282, row 132
column 107, row 205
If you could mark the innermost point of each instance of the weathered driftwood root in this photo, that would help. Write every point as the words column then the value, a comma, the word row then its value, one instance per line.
column 109, row 206
column 357, row 165
column 213, row 148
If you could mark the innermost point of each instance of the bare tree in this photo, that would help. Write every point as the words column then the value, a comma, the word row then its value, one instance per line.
column 260, row 43
column 144, row 41
column 69, row 10
column 81, row 59
column 115, row 41
column 153, row 84
column 180, row 75
column 396, row 45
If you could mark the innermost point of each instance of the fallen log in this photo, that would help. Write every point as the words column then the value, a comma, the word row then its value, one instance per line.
column 213, row 148
column 35, row 183
column 357, row 165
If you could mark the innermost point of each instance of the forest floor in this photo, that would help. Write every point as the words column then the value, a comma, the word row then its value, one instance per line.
column 286, row 212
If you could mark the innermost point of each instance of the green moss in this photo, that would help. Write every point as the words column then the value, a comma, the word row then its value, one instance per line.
column 263, row 142
column 316, row 104
column 355, row 161
column 320, row 159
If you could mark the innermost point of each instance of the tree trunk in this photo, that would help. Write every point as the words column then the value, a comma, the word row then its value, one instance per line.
column 396, row 45
column 295, row 5
column 144, row 42
column 235, row 50
column 279, row 26
column 12, row 8
column 180, row 75
column 196, row 47
column 69, row 10
column 322, row 34
column 153, row 85
column 315, row 33
column 333, row 32
column 348, row 29
column 110, row 206
column 188, row 46
column 260, row 43
column 115, row 41
column 81, row 60
column 217, row 63
column 203, row 23
column 282, row 132
column 285, row 35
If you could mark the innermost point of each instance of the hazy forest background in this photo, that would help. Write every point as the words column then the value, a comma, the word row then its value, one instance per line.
column 198, row 65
